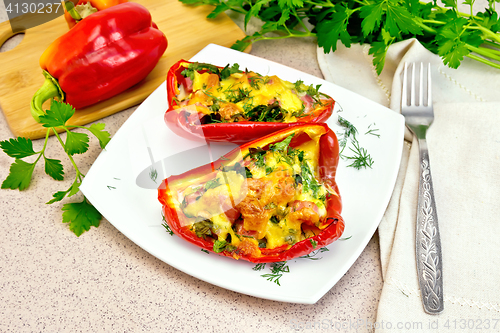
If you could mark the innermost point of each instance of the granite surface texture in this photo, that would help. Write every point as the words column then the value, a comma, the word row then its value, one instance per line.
column 53, row 281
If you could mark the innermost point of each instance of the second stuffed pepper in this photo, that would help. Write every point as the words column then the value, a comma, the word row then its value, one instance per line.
column 270, row 200
column 233, row 105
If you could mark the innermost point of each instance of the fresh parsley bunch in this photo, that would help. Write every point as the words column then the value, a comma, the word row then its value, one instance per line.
column 441, row 28
column 80, row 215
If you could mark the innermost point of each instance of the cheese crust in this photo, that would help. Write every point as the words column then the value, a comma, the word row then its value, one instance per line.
column 244, row 96
column 268, row 199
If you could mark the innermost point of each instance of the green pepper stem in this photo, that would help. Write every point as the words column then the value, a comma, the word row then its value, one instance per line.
column 70, row 8
column 49, row 89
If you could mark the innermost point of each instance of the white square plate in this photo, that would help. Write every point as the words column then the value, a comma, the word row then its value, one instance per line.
column 144, row 141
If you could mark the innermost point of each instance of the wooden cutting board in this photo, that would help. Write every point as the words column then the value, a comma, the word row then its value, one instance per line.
column 187, row 30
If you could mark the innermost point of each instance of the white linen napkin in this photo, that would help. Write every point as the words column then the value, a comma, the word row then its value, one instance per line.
column 464, row 149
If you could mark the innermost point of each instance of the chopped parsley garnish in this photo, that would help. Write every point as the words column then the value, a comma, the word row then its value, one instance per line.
column 270, row 113
column 197, row 67
column 309, row 183
column 248, row 173
column 256, row 81
column 203, row 228
column 282, row 146
column 236, row 95
column 212, row 183
column 274, row 219
column 219, row 246
column 283, row 152
column 258, row 156
column 227, row 71
column 311, row 90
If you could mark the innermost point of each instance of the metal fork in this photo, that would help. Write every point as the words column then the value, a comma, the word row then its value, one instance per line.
column 418, row 117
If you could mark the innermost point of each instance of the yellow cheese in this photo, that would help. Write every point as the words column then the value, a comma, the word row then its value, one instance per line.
column 264, row 92
column 283, row 227
column 231, row 189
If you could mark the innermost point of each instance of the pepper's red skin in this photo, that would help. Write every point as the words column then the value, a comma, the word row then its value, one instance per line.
column 105, row 54
column 97, row 4
column 328, row 161
column 236, row 132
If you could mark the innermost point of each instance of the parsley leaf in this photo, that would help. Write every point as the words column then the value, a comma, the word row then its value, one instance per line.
column 19, row 176
column 330, row 31
column 379, row 49
column 81, row 216
column 54, row 168
column 58, row 196
column 217, row 10
column 58, row 114
column 379, row 23
column 76, row 143
column 18, row 148
column 372, row 16
column 453, row 41
column 99, row 132
column 399, row 20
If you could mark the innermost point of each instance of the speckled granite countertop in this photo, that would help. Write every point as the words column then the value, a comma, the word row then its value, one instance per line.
column 52, row 281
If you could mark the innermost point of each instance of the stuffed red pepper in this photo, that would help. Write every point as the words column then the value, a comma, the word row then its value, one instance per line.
column 231, row 105
column 270, row 200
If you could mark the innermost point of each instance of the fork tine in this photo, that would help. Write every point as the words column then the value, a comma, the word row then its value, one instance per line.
column 412, row 91
column 421, row 85
column 404, row 97
column 429, row 85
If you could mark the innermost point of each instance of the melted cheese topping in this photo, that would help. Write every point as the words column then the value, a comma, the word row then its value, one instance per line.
column 238, row 96
column 268, row 209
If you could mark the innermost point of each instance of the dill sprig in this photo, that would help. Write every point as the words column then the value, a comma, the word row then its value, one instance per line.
column 372, row 132
column 313, row 254
column 259, row 267
column 350, row 130
column 277, row 270
column 361, row 158
column 166, row 226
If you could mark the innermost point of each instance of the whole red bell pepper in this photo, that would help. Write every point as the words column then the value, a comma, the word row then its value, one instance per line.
column 102, row 56
column 73, row 13
column 321, row 145
column 238, row 131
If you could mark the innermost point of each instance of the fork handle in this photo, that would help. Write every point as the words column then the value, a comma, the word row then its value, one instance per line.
column 428, row 241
